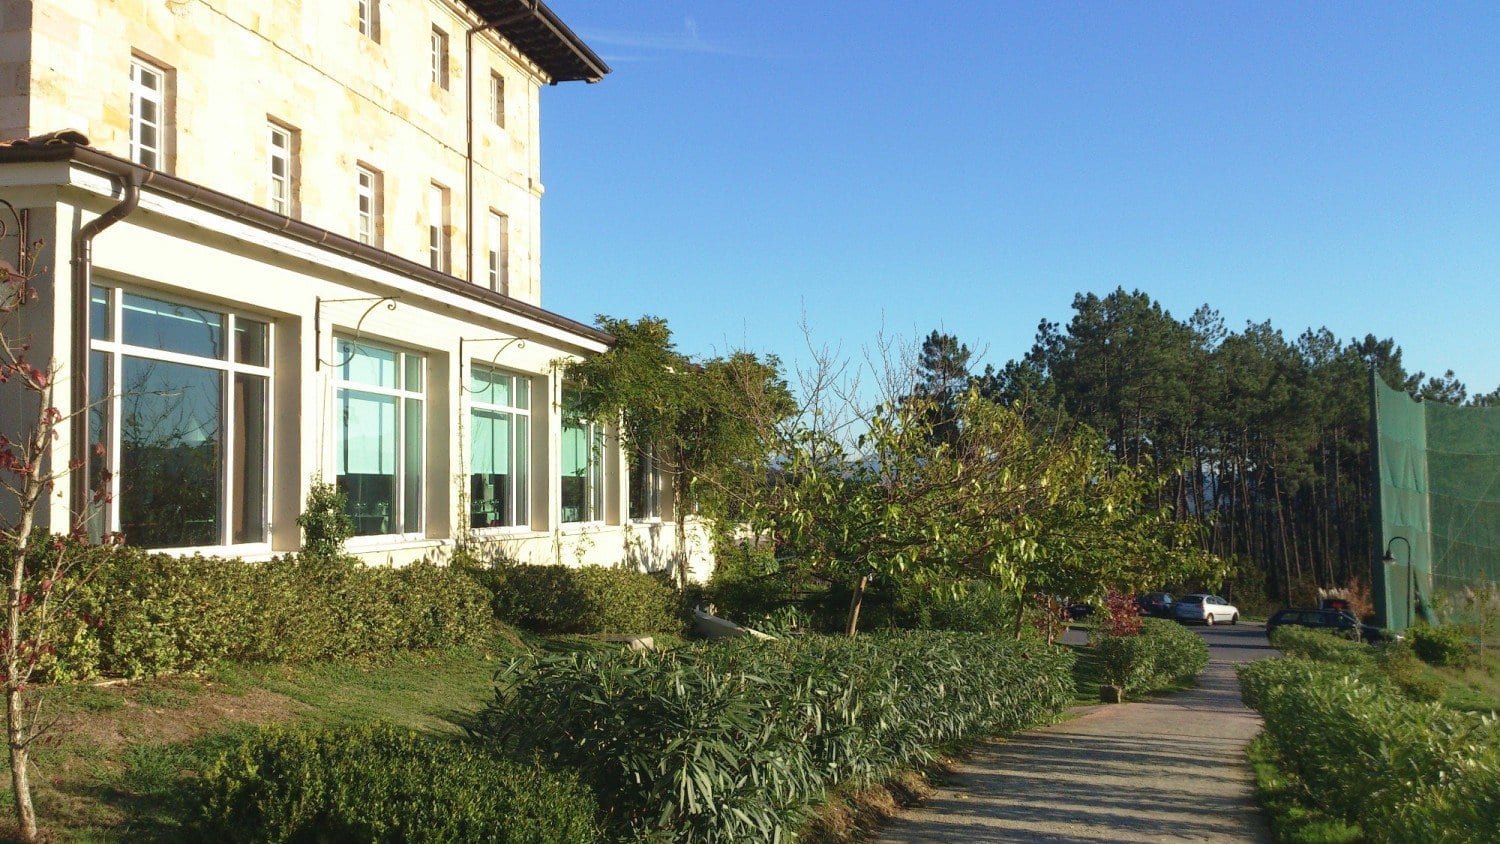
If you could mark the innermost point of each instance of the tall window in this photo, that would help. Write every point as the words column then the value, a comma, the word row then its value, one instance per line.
column 581, row 466
column 180, row 401
column 497, row 98
column 439, row 247
column 282, row 145
column 500, row 458
column 148, row 114
column 370, row 221
column 645, row 487
column 439, row 58
column 379, row 437
column 369, row 19
column 499, row 249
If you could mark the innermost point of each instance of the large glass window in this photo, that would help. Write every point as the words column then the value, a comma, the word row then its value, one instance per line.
column 379, row 437
column 581, row 464
column 500, row 452
column 645, row 487
column 178, row 421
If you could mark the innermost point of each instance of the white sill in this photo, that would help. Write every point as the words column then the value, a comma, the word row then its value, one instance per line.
column 520, row 532
column 392, row 542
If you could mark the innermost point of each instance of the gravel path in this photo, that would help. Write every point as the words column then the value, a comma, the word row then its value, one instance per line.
column 1171, row 769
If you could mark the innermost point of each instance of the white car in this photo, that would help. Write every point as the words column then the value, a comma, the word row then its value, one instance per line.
column 1209, row 609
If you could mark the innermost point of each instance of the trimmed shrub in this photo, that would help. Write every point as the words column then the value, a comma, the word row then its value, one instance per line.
column 582, row 599
column 1162, row 655
column 1320, row 645
column 134, row 614
column 1444, row 646
column 381, row 784
column 1400, row 769
column 734, row 741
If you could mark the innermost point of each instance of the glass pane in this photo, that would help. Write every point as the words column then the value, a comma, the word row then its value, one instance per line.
column 491, row 387
column 99, row 327
column 170, row 327
column 367, row 364
column 98, row 416
column 412, row 469
column 365, row 451
column 170, row 454
column 248, row 486
column 523, row 393
column 250, row 341
column 523, row 470
column 490, row 469
column 413, row 382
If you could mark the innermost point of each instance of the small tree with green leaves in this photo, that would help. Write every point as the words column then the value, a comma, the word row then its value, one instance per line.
column 325, row 521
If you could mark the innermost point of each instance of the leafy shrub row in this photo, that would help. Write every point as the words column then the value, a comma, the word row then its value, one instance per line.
column 735, row 741
column 134, row 614
column 1162, row 655
column 381, row 784
column 581, row 599
column 1320, row 645
column 1401, row 769
column 1393, row 663
column 1444, row 646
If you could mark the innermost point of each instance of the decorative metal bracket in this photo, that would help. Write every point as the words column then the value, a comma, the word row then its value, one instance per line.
column 18, row 273
column 318, row 362
column 463, row 359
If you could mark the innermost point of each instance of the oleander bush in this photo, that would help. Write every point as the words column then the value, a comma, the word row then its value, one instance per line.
column 1445, row 646
column 559, row 599
column 736, row 741
column 1321, row 645
column 131, row 613
column 381, row 784
column 1162, row 655
column 1401, row 769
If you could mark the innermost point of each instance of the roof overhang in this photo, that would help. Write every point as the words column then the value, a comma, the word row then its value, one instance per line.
column 541, row 36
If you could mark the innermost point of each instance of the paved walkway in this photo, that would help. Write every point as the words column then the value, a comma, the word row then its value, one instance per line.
column 1172, row 769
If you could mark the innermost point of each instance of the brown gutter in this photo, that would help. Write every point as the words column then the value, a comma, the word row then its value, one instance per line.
column 239, row 209
column 83, row 261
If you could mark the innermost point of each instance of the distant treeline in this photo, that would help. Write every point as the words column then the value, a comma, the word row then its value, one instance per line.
column 1268, row 435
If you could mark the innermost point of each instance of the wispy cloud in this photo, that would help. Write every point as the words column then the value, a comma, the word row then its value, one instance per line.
column 641, row 46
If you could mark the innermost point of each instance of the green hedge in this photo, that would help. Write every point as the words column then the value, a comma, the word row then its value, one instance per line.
column 1321, row 645
column 1401, row 769
column 1445, row 646
column 134, row 614
column 582, row 599
column 735, row 741
column 1162, row 655
column 380, row 784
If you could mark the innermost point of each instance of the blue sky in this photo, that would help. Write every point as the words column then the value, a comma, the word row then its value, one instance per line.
column 971, row 165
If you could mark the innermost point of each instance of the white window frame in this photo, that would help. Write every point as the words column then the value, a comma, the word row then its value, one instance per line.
column 439, row 47
column 142, row 74
column 281, row 147
column 369, row 217
column 520, row 525
column 497, row 98
column 595, row 478
column 646, row 468
column 401, row 395
column 369, row 19
column 439, row 240
column 115, row 350
column 498, row 237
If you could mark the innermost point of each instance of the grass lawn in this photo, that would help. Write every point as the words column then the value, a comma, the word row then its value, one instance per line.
column 121, row 765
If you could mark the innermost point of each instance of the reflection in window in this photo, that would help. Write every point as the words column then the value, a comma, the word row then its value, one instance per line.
column 581, row 464
column 500, row 453
column 378, row 450
column 184, row 431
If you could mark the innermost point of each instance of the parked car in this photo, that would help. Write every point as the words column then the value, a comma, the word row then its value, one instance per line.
column 1337, row 621
column 1156, row 604
column 1079, row 611
column 1209, row 609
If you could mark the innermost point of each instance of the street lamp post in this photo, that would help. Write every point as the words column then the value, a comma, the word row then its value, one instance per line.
column 1411, row 574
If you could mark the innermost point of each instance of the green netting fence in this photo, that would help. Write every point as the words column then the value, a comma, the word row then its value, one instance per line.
column 1436, row 507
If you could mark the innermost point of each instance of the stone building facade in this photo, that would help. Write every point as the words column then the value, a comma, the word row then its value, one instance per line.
column 301, row 238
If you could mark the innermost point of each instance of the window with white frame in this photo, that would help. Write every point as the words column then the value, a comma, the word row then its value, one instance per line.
column 179, row 420
column 581, row 466
column 439, row 246
column 645, row 487
column 282, row 146
column 379, row 437
column 369, row 19
column 148, row 114
column 369, row 225
column 499, row 252
column 500, row 453
column 439, row 58
column 497, row 98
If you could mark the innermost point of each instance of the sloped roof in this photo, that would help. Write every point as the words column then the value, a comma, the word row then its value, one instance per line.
column 538, row 33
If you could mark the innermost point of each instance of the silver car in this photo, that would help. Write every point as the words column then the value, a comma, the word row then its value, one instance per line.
column 1209, row 609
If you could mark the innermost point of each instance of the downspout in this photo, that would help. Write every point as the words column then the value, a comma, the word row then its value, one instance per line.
column 83, row 266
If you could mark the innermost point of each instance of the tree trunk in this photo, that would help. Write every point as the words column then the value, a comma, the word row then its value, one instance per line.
column 16, row 728
column 857, row 602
